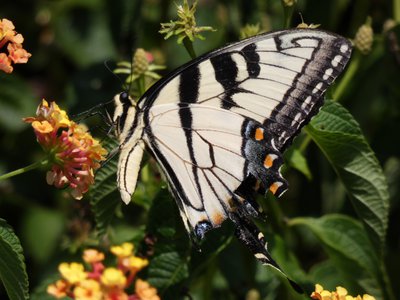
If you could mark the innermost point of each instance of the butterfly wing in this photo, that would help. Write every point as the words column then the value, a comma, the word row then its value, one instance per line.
column 254, row 96
column 224, row 119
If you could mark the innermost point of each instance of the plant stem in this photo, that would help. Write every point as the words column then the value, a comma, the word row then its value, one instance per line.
column 141, row 85
column 189, row 47
column 33, row 166
column 396, row 10
column 348, row 76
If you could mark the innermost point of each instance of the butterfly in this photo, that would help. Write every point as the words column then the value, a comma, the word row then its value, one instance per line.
column 218, row 125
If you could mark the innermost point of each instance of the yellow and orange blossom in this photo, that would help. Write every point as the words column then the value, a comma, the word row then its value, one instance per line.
column 73, row 272
column 145, row 291
column 58, row 289
column 113, row 277
column 92, row 256
column 73, row 153
column 88, row 289
column 16, row 54
column 122, row 251
column 340, row 294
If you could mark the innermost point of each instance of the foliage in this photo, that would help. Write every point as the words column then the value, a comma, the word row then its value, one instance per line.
column 338, row 225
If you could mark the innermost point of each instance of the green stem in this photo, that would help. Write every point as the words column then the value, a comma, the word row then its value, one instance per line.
column 396, row 10
column 287, row 15
column 348, row 76
column 141, row 85
column 25, row 169
column 189, row 47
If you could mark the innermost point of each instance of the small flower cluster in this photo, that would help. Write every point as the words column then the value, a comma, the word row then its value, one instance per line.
column 72, row 152
column 364, row 37
column 141, row 67
column 16, row 54
column 340, row 294
column 100, row 282
column 249, row 30
column 185, row 27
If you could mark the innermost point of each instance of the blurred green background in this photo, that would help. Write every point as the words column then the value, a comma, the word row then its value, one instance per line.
column 74, row 43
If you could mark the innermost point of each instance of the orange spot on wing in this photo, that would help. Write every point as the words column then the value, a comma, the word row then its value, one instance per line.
column 274, row 187
column 268, row 161
column 218, row 218
column 259, row 134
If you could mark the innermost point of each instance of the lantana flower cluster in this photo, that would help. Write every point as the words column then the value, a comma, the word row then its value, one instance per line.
column 340, row 294
column 73, row 153
column 11, row 50
column 98, row 282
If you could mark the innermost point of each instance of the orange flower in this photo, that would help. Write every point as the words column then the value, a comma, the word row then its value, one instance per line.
column 5, row 63
column 58, row 289
column 16, row 54
column 92, row 256
column 73, row 153
column 145, row 291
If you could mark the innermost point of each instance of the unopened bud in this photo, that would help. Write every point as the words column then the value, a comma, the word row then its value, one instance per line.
column 364, row 37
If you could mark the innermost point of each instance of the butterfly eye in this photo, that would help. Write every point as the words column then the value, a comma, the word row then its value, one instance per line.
column 124, row 98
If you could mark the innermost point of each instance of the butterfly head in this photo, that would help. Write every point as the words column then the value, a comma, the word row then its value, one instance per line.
column 125, row 109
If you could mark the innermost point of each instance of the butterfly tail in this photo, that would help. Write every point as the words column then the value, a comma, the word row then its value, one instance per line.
column 254, row 240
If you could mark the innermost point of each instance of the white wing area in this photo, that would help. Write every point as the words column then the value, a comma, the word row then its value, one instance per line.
column 128, row 168
column 207, row 174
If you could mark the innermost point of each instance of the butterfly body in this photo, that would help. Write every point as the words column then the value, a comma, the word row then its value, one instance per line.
column 219, row 124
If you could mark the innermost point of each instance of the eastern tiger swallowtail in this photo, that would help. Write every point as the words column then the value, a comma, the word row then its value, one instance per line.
column 219, row 124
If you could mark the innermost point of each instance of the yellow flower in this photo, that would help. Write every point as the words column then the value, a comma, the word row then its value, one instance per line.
column 134, row 263
column 145, row 291
column 72, row 152
column 113, row 277
column 92, row 256
column 88, row 289
column 73, row 272
column 58, row 289
column 122, row 251
column 16, row 54
column 340, row 294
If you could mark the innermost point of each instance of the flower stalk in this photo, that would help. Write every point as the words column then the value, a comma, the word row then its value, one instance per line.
column 36, row 165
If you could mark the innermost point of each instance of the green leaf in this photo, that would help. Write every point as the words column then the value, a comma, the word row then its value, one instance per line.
column 12, row 264
column 41, row 231
column 339, row 137
column 104, row 195
column 169, row 265
column 346, row 242
column 296, row 160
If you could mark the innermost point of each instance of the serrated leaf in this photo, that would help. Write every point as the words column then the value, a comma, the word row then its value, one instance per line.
column 347, row 244
column 12, row 264
column 339, row 137
column 169, row 265
column 104, row 195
